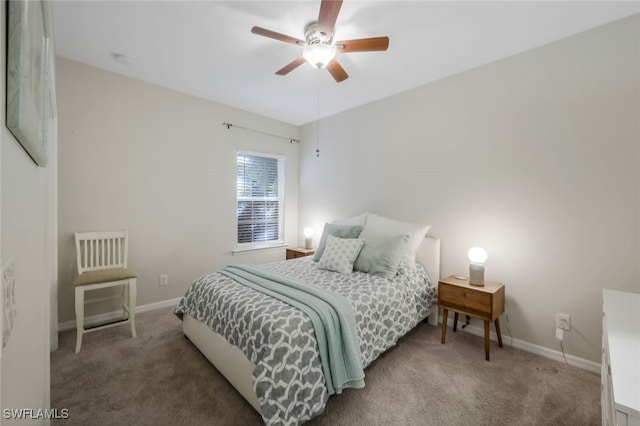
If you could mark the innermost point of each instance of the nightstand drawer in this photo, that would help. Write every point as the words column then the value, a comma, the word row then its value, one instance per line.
column 294, row 253
column 460, row 298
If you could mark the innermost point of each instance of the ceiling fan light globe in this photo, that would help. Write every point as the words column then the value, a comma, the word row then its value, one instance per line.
column 319, row 55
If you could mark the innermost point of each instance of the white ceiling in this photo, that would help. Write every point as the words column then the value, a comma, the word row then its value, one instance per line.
column 205, row 48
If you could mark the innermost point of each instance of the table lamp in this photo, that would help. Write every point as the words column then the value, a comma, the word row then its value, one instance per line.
column 308, row 236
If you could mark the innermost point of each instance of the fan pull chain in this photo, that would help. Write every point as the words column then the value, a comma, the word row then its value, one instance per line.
column 318, row 128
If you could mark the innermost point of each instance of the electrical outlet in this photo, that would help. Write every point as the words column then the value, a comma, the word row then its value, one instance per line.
column 563, row 321
column 164, row 280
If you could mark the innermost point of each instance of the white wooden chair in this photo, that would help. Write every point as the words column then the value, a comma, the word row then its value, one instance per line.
column 102, row 263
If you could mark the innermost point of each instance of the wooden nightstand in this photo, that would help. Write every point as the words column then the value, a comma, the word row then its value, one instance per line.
column 294, row 253
column 484, row 302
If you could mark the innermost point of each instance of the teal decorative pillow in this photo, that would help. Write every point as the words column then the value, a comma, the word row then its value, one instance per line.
column 341, row 231
column 340, row 253
column 380, row 228
column 382, row 257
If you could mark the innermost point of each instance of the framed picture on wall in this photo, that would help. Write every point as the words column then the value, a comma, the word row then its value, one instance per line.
column 29, row 76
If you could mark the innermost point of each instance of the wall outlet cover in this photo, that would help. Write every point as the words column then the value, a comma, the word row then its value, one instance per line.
column 164, row 280
column 563, row 321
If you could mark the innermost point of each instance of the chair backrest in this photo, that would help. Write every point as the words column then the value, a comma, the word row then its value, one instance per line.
column 101, row 250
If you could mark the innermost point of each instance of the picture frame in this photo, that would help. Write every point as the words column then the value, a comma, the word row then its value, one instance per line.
column 30, row 86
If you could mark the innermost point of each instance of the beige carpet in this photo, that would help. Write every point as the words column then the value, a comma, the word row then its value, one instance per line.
column 160, row 378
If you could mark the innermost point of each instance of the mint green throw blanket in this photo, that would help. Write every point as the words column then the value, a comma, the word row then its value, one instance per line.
column 332, row 316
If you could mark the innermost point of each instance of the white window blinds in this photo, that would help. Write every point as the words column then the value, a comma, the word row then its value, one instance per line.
column 260, row 198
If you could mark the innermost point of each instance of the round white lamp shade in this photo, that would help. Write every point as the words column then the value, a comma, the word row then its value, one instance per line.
column 477, row 255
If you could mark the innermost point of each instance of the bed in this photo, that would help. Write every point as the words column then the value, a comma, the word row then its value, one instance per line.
column 264, row 347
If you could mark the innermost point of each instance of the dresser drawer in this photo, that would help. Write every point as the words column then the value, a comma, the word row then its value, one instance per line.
column 464, row 299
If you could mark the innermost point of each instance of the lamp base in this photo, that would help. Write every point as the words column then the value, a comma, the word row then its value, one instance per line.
column 476, row 274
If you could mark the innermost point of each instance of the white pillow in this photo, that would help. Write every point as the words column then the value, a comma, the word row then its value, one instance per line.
column 355, row 220
column 380, row 228
column 340, row 253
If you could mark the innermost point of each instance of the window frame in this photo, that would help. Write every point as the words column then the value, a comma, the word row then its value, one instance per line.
column 280, row 198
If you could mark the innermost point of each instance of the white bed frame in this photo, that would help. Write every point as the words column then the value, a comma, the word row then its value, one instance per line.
column 233, row 364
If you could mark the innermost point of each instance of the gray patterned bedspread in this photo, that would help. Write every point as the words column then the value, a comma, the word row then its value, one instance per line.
column 279, row 339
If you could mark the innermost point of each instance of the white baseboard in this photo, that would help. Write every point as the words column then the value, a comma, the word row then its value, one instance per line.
column 528, row 347
column 111, row 316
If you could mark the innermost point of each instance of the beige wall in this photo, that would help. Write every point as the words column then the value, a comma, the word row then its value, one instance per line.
column 159, row 163
column 27, row 229
column 534, row 158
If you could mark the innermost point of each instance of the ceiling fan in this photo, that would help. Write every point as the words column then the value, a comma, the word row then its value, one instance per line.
column 319, row 47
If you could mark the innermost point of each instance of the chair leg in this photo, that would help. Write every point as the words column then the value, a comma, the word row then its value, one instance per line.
column 132, row 305
column 79, row 317
column 125, row 300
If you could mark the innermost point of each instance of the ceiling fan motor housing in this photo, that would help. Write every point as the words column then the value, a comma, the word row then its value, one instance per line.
column 319, row 49
column 313, row 36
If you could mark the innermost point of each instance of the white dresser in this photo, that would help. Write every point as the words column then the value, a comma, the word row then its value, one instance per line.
column 620, row 358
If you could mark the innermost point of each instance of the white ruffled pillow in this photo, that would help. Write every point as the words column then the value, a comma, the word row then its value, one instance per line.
column 340, row 254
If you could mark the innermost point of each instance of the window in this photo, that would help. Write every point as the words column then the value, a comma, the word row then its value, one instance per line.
column 260, row 202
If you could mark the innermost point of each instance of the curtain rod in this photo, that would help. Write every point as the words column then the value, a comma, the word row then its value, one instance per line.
column 291, row 140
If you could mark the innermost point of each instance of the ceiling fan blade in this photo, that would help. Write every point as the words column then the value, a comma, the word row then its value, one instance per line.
column 291, row 66
column 363, row 45
column 329, row 10
column 336, row 70
column 277, row 36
